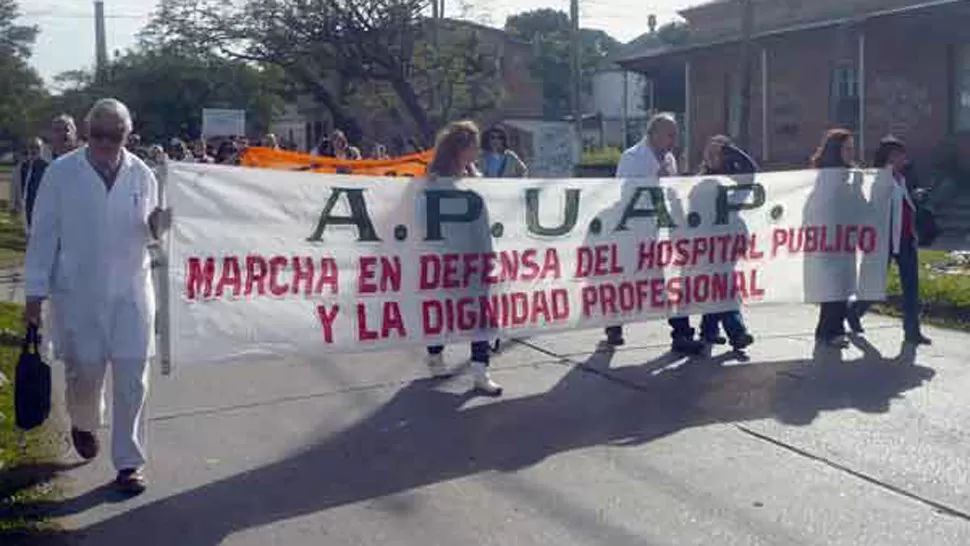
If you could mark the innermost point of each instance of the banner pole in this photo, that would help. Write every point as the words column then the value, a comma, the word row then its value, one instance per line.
column 159, row 251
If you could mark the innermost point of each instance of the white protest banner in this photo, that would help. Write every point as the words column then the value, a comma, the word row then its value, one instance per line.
column 221, row 122
column 271, row 263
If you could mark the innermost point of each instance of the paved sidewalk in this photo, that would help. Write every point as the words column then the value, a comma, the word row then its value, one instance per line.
column 585, row 448
column 12, row 284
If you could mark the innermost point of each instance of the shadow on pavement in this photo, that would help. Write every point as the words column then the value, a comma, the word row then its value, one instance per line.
column 424, row 436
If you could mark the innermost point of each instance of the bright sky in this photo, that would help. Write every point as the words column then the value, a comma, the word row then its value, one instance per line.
column 66, row 40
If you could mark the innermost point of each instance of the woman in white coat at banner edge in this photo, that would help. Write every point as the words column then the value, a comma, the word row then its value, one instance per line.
column 96, row 214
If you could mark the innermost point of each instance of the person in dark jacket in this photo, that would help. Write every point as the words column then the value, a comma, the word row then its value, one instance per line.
column 29, row 174
column 723, row 157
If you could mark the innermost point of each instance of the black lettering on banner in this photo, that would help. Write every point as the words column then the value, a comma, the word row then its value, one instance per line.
column 570, row 214
column 436, row 219
column 359, row 217
column 725, row 207
column 658, row 209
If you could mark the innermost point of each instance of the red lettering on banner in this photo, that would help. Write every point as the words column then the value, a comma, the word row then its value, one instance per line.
column 681, row 252
column 326, row 320
column 753, row 252
column 366, row 274
column 675, row 292
column 483, row 269
column 867, row 239
column 449, row 276
column 848, row 238
column 656, row 293
column 560, row 304
column 488, row 269
column 738, row 285
column 588, row 297
column 598, row 261
column 540, row 309
column 519, row 304
column 702, row 288
column 530, row 265
column 231, row 277
column 756, row 291
column 256, row 270
column 719, row 288
column 508, row 311
column 608, row 299
column 699, row 248
column 431, row 322
column 329, row 276
column 303, row 273
column 645, row 258
column 392, row 320
column 276, row 287
column 363, row 334
column 779, row 239
column 199, row 278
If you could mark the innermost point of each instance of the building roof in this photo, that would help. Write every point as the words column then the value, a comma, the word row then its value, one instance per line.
column 810, row 25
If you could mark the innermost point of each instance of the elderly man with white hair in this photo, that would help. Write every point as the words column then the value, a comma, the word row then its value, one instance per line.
column 95, row 216
column 653, row 157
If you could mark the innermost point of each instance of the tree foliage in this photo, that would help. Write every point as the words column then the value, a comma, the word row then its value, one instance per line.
column 342, row 52
column 549, row 31
column 167, row 90
column 21, row 89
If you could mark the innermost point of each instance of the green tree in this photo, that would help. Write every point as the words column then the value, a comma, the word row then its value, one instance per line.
column 21, row 89
column 343, row 52
column 167, row 90
column 549, row 31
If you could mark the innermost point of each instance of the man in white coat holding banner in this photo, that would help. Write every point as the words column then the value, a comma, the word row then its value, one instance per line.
column 653, row 157
column 95, row 216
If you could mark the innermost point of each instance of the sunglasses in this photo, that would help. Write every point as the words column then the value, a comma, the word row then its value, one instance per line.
column 110, row 136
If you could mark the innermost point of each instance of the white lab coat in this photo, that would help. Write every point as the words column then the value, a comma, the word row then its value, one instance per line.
column 900, row 198
column 641, row 161
column 101, row 287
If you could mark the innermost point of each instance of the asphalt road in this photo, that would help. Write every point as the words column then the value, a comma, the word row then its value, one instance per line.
column 792, row 447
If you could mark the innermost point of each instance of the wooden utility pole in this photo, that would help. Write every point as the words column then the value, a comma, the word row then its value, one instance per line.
column 744, row 73
column 577, row 96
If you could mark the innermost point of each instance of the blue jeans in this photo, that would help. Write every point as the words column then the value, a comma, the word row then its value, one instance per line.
column 908, row 263
column 731, row 321
column 481, row 351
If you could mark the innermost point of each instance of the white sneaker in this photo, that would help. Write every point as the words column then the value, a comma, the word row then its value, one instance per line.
column 436, row 365
column 482, row 380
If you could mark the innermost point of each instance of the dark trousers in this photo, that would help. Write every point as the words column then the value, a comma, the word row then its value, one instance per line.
column 680, row 328
column 908, row 263
column 831, row 319
column 732, row 322
column 481, row 351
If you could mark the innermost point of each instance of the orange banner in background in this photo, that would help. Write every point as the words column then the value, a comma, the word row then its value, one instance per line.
column 267, row 158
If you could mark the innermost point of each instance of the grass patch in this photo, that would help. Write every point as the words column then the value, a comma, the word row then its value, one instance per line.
column 945, row 298
column 603, row 156
column 13, row 242
column 24, row 476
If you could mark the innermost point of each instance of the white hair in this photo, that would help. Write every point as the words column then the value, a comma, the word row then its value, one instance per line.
column 657, row 119
column 66, row 119
column 111, row 109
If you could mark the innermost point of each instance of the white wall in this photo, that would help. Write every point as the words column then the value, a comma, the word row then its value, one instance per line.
column 607, row 94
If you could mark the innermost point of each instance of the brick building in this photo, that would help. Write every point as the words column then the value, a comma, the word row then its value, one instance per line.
column 875, row 66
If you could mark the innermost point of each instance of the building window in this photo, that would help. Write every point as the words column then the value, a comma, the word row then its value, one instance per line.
column 962, row 91
column 845, row 97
